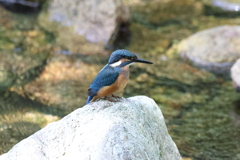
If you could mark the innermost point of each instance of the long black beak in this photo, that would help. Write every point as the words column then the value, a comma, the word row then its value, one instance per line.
column 139, row 60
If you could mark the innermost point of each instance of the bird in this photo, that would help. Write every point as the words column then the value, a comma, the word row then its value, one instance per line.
column 114, row 75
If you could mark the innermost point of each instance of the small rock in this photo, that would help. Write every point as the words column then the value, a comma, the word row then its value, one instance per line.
column 215, row 49
column 133, row 128
column 235, row 74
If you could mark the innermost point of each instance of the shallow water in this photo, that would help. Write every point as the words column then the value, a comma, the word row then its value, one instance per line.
column 201, row 109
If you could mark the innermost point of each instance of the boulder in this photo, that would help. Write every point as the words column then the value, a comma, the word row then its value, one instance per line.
column 132, row 128
column 215, row 49
column 235, row 75
column 84, row 26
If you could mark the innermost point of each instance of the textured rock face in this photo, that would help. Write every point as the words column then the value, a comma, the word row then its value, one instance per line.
column 85, row 21
column 235, row 74
column 132, row 128
column 214, row 49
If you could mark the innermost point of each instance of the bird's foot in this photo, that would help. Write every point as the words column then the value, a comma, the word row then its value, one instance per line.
column 109, row 99
column 115, row 96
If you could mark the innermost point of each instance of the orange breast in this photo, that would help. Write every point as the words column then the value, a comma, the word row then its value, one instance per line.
column 119, row 84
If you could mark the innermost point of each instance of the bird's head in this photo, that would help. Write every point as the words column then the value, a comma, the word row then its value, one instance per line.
column 121, row 58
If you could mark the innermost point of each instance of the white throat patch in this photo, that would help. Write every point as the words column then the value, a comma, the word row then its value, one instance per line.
column 116, row 64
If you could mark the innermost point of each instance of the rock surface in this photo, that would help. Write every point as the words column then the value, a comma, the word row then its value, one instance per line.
column 132, row 128
column 214, row 49
column 235, row 75
column 84, row 26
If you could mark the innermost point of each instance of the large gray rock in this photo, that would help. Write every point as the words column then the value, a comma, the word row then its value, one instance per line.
column 235, row 74
column 132, row 128
column 214, row 49
column 84, row 25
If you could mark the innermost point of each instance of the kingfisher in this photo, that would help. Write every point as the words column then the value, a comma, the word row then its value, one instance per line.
column 114, row 75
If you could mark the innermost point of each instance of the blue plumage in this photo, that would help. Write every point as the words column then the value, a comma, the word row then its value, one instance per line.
column 119, row 54
column 109, row 74
column 105, row 77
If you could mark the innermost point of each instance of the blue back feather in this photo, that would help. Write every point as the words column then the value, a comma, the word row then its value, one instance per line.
column 106, row 77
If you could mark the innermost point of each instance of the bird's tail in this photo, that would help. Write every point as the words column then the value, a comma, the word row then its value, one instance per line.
column 89, row 99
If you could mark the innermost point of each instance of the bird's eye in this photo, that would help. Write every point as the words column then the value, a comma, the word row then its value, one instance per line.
column 133, row 58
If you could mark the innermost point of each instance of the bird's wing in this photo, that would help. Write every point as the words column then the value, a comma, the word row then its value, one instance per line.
column 92, row 92
column 107, row 76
